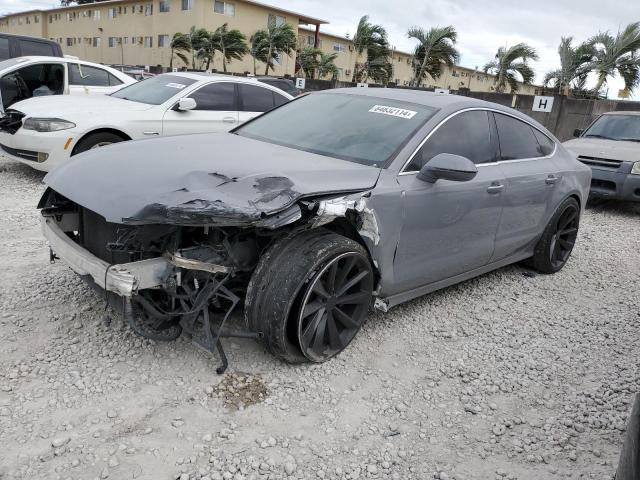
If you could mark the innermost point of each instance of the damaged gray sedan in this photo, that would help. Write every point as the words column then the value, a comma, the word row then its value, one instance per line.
column 313, row 213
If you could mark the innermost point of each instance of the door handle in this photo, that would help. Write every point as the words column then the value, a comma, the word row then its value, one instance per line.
column 151, row 133
column 229, row 120
column 551, row 179
column 495, row 188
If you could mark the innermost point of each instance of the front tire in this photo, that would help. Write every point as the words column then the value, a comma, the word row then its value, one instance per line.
column 309, row 295
column 556, row 244
column 97, row 140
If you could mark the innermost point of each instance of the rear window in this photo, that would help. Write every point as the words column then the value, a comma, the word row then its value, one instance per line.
column 30, row 47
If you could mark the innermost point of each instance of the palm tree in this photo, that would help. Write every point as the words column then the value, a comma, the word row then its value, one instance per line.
column 617, row 55
column 198, row 38
column 435, row 48
column 573, row 70
column 377, row 67
column 307, row 60
column 231, row 43
column 179, row 43
column 368, row 36
column 207, row 51
column 326, row 67
column 510, row 62
column 270, row 44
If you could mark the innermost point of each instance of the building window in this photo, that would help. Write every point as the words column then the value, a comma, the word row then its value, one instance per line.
column 165, row 6
column 224, row 8
column 96, row 15
column 163, row 40
column 140, row 8
column 50, row 19
column 148, row 9
column 148, row 42
column 275, row 20
column 97, row 41
column 69, row 41
column 36, row 19
column 187, row 4
column 112, row 13
column 112, row 42
column 339, row 47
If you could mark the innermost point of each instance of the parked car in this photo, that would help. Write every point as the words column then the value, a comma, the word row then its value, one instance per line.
column 25, row 77
column 377, row 196
column 168, row 104
column 611, row 147
column 285, row 84
column 137, row 72
column 12, row 46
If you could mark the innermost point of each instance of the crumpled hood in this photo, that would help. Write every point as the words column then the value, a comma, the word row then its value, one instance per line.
column 602, row 148
column 201, row 179
column 69, row 106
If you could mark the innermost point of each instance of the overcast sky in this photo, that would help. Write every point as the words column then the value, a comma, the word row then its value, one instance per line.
column 482, row 25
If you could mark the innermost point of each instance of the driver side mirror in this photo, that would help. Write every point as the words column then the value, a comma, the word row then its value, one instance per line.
column 578, row 132
column 448, row 166
column 185, row 104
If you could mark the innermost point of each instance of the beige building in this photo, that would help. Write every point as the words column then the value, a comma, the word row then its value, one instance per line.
column 139, row 33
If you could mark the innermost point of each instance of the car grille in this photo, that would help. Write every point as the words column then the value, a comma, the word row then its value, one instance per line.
column 11, row 121
column 600, row 162
column 25, row 154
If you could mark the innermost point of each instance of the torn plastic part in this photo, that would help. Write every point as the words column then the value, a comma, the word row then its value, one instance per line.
column 179, row 260
column 381, row 305
column 329, row 210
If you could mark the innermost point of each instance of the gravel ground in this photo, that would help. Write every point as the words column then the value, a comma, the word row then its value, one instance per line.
column 511, row 375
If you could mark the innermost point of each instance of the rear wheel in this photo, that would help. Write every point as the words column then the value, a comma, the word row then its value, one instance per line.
column 97, row 140
column 310, row 295
column 556, row 244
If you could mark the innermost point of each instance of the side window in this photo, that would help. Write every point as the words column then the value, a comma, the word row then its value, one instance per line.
column 255, row 99
column 215, row 96
column 4, row 49
column 279, row 99
column 113, row 80
column 545, row 144
column 467, row 134
column 29, row 47
column 87, row 76
column 516, row 139
column 32, row 81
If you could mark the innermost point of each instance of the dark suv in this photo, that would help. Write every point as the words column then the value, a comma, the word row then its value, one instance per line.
column 12, row 46
column 282, row 83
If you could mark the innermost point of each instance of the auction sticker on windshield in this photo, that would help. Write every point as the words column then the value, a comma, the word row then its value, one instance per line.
column 179, row 86
column 393, row 111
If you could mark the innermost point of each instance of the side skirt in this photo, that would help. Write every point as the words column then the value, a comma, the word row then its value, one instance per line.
column 402, row 297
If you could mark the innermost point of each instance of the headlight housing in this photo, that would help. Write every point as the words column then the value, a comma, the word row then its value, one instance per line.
column 635, row 168
column 47, row 124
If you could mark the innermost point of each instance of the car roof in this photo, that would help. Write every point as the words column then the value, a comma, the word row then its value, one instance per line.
column 622, row 112
column 207, row 76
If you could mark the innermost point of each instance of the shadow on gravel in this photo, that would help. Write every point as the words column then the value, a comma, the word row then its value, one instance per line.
column 600, row 205
column 20, row 171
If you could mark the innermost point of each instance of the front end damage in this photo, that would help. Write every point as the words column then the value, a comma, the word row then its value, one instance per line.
column 189, row 274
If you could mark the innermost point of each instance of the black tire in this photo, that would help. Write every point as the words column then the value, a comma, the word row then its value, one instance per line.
column 281, row 283
column 95, row 140
column 556, row 244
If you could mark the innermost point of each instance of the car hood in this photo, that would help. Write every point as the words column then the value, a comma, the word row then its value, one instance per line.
column 68, row 107
column 602, row 148
column 204, row 179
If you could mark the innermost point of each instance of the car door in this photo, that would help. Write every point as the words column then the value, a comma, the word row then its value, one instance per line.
column 90, row 80
column 216, row 111
column 449, row 227
column 530, row 177
column 254, row 100
column 31, row 80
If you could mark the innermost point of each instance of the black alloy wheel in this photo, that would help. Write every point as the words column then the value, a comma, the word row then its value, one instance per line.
column 565, row 235
column 334, row 306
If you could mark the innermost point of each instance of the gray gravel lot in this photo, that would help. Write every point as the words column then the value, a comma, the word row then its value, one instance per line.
column 511, row 375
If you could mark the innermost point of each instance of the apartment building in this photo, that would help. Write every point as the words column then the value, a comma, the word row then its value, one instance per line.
column 139, row 32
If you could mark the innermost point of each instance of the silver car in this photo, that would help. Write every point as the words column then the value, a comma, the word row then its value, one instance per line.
column 611, row 147
column 312, row 213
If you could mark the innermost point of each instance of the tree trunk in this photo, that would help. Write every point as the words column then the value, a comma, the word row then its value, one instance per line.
column 224, row 64
column 171, row 62
column 601, row 81
column 254, row 65
column 266, row 70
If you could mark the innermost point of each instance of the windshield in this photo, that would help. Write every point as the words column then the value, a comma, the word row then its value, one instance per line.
column 155, row 90
column 616, row 127
column 357, row 128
